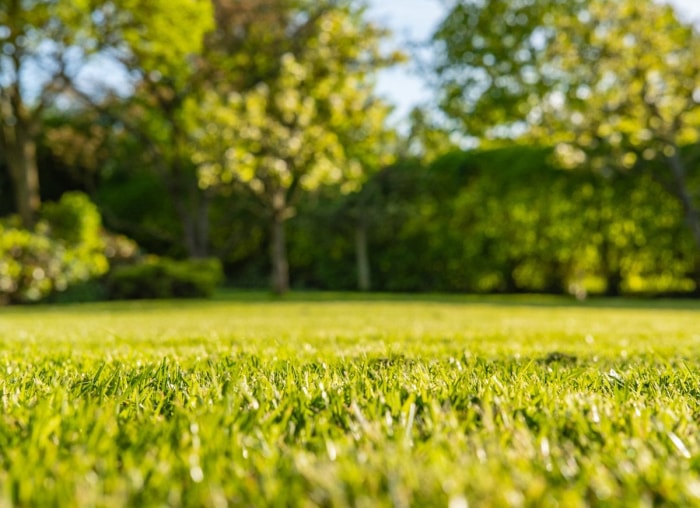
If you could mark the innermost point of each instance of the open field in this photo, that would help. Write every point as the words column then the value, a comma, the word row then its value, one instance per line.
column 338, row 400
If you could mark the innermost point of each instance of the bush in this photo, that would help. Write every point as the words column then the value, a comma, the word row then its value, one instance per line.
column 93, row 290
column 156, row 277
column 63, row 249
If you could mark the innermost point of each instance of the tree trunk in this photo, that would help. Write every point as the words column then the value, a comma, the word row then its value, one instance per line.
column 613, row 283
column 189, row 236
column 20, row 155
column 362, row 253
column 509, row 286
column 195, row 224
column 202, row 250
column 610, row 268
column 278, row 255
column 193, row 212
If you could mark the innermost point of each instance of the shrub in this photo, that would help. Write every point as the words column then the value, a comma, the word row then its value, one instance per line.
column 64, row 248
column 157, row 277
column 75, row 222
column 30, row 264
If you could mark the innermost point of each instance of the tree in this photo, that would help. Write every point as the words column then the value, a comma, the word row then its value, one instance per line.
column 295, row 128
column 372, row 147
column 613, row 85
column 47, row 44
column 162, row 48
column 633, row 101
column 41, row 42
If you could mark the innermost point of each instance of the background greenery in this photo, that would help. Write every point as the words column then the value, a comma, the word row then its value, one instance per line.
column 581, row 174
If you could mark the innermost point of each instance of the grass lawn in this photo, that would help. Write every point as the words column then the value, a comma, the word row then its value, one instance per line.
column 345, row 400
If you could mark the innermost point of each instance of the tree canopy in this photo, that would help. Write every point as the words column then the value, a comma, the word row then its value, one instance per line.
column 46, row 44
column 611, row 84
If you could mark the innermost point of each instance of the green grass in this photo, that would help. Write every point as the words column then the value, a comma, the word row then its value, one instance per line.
column 335, row 400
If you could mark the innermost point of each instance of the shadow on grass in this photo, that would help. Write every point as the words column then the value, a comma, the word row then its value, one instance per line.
column 510, row 300
column 225, row 297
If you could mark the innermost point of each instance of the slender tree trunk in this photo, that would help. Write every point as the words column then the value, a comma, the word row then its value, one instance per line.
column 203, row 226
column 509, row 284
column 278, row 242
column 189, row 236
column 362, row 253
column 195, row 227
column 20, row 155
column 278, row 255
column 195, row 224
column 192, row 206
column 611, row 268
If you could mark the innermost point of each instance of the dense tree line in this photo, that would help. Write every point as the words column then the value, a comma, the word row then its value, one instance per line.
column 250, row 132
column 502, row 220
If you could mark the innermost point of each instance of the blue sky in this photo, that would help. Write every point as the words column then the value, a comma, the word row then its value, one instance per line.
column 411, row 21
column 414, row 20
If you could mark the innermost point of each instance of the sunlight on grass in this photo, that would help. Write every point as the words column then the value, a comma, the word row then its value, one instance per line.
column 325, row 400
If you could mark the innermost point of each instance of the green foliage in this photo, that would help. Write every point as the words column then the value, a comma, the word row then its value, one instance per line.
column 300, row 126
column 650, row 56
column 156, row 277
column 74, row 219
column 428, row 138
column 347, row 402
column 23, row 256
column 618, row 80
column 489, row 57
column 645, row 50
column 65, row 248
column 321, row 260
column 174, row 31
column 569, row 232
column 311, row 119
column 503, row 220
column 135, row 204
column 613, row 87
column 293, row 123
column 258, row 101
